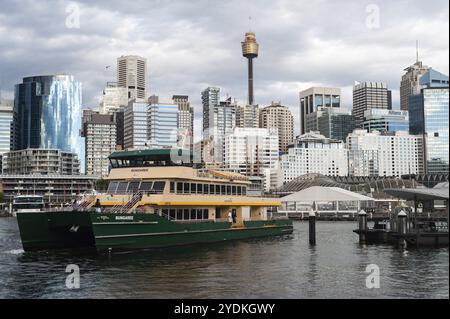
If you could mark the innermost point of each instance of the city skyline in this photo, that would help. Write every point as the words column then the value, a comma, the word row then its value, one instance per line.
column 200, row 50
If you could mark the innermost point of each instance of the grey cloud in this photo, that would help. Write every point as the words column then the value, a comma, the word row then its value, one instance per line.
column 193, row 44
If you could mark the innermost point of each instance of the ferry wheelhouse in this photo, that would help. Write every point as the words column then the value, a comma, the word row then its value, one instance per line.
column 154, row 201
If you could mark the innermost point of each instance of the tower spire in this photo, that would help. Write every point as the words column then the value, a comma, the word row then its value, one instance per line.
column 417, row 51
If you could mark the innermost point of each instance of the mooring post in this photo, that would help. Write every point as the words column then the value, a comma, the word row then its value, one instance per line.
column 402, row 225
column 312, row 228
column 362, row 226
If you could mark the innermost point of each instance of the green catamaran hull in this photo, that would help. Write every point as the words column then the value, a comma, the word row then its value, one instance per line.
column 104, row 232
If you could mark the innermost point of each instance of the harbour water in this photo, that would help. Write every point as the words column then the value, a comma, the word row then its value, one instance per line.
column 260, row 268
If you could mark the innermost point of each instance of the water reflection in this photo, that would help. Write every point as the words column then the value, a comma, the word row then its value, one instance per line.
column 259, row 268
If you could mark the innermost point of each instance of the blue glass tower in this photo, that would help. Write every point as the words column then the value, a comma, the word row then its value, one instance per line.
column 429, row 117
column 47, row 114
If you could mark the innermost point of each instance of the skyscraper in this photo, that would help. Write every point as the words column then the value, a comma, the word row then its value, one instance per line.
column 386, row 120
column 247, row 116
column 210, row 98
column 135, row 132
column 222, row 121
column 99, row 131
column 114, row 97
column 6, row 118
column 429, row 117
column 185, row 120
column 279, row 117
column 369, row 95
column 331, row 122
column 162, row 125
column 410, row 83
column 315, row 97
column 250, row 51
column 47, row 114
column 132, row 74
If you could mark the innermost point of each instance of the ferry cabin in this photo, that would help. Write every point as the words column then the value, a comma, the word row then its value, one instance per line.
column 140, row 183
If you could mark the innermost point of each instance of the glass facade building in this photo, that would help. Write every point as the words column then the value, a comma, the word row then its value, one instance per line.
column 386, row 120
column 6, row 117
column 135, row 125
column 162, row 125
column 429, row 117
column 47, row 114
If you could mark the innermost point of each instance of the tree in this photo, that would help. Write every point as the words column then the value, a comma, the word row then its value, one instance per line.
column 101, row 184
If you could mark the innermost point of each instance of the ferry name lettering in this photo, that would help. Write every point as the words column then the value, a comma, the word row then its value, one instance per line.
column 124, row 217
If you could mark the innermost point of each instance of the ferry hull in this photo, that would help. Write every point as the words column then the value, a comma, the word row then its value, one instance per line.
column 118, row 232
column 55, row 230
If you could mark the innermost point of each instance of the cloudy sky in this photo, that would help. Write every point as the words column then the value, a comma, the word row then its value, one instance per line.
column 194, row 44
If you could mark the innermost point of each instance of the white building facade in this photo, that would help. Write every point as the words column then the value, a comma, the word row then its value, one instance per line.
column 314, row 153
column 384, row 154
column 252, row 152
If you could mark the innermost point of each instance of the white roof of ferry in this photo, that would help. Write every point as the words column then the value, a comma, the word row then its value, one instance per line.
column 320, row 193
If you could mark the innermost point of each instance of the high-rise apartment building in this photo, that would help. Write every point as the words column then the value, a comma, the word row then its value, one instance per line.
column 6, row 121
column 384, row 154
column 314, row 98
column 47, row 114
column 276, row 116
column 132, row 74
column 370, row 95
column 314, row 153
column 410, row 83
column 251, row 151
column 247, row 116
column 222, row 121
column 33, row 161
column 429, row 117
column 210, row 98
column 331, row 122
column 99, row 132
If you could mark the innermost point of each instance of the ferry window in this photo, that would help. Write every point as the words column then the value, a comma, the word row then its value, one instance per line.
column 218, row 189
column 187, row 188
column 199, row 213
column 193, row 214
column 146, row 186
column 200, row 188
column 193, row 188
column 179, row 188
column 206, row 189
column 133, row 187
column 158, row 187
column 228, row 190
column 112, row 187
column 114, row 163
column 211, row 189
column 244, row 191
column 179, row 214
column 186, row 214
column 172, row 187
column 222, row 189
column 172, row 213
column 233, row 190
column 239, row 190
column 165, row 212
column 122, row 188
column 205, row 214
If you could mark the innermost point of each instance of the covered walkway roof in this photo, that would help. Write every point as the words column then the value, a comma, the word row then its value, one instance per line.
column 419, row 193
column 325, row 194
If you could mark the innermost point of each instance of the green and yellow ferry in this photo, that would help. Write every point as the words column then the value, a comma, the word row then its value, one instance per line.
column 152, row 201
